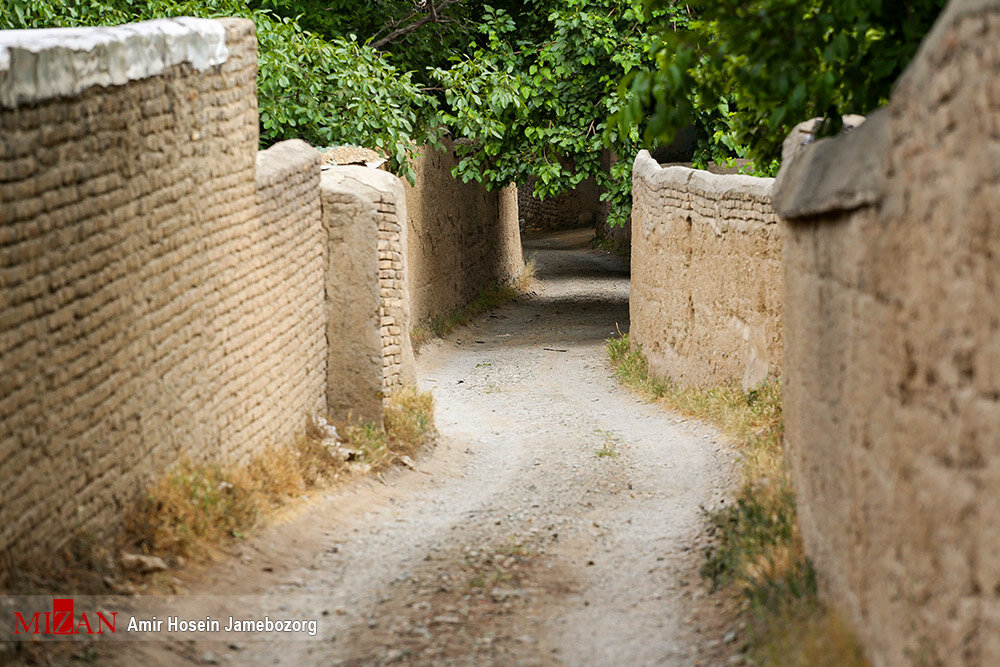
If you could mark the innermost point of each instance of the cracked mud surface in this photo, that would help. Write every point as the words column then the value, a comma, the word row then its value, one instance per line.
column 557, row 522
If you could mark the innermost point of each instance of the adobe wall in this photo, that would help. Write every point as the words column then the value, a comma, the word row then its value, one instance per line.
column 618, row 238
column 276, row 272
column 892, row 354
column 160, row 282
column 579, row 207
column 460, row 236
column 368, row 308
column 167, row 290
column 706, row 298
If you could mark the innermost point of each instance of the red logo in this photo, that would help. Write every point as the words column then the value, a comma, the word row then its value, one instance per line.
column 62, row 621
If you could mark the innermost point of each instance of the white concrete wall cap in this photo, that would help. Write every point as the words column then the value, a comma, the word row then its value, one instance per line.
column 37, row 65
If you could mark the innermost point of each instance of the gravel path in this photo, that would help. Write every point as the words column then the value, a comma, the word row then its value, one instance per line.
column 554, row 524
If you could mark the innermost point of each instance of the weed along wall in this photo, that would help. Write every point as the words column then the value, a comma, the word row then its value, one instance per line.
column 892, row 354
column 461, row 237
column 705, row 302
column 168, row 290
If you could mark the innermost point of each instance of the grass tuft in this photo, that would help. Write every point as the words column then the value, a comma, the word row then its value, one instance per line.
column 804, row 633
column 489, row 299
column 409, row 425
column 607, row 449
column 198, row 505
column 758, row 550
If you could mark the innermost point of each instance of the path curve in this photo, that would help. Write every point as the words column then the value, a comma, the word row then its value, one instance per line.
column 515, row 541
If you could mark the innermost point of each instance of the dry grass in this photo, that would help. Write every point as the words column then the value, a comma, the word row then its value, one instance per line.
column 489, row 299
column 409, row 424
column 193, row 504
column 804, row 633
column 758, row 549
column 197, row 505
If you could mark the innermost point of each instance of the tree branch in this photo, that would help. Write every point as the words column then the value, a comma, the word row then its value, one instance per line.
column 431, row 16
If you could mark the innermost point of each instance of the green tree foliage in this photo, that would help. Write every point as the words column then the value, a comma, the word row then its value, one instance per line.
column 527, row 84
column 533, row 95
column 339, row 92
column 324, row 90
column 746, row 71
column 415, row 35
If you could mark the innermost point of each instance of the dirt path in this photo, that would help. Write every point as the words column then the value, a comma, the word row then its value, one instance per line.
column 554, row 524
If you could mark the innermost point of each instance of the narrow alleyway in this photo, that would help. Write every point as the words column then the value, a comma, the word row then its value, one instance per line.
column 554, row 524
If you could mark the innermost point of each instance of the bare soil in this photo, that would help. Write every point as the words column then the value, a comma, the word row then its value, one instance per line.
column 557, row 522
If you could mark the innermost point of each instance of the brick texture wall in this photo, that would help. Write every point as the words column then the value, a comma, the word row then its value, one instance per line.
column 278, row 281
column 579, row 207
column 892, row 339
column 460, row 237
column 370, row 354
column 705, row 302
column 394, row 307
column 161, row 292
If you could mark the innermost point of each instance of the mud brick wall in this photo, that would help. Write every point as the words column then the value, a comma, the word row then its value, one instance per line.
column 394, row 309
column 892, row 344
column 706, row 296
column 368, row 325
column 282, row 296
column 161, row 288
column 460, row 236
column 579, row 207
